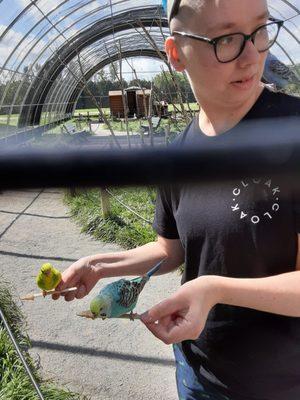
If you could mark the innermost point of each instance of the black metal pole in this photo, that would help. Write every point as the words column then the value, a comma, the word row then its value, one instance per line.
column 260, row 148
column 18, row 350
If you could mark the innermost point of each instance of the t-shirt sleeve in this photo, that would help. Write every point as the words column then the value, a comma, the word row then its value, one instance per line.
column 164, row 222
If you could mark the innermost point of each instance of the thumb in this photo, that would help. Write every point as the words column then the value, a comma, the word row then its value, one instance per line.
column 70, row 277
column 160, row 310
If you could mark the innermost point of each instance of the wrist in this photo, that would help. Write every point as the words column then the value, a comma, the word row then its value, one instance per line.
column 213, row 285
column 96, row 263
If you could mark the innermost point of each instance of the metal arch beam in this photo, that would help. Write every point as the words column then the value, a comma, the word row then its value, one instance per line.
column 62, row 95
column 17, row 18
column 293, row 7
column 99, row 30
column 48, row 44
column 127, row 54
column 286, row 28
column 90, row 61
column 90, row 39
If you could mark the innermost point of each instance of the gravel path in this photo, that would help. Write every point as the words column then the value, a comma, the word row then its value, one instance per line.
column 103, row 359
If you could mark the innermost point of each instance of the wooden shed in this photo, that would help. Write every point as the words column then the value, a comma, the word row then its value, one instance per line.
column 135, row 102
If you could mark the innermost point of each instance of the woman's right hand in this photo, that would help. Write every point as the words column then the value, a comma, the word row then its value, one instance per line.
column 81, row 274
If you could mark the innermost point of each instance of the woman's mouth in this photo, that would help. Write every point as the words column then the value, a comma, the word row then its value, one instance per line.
column 245, row 83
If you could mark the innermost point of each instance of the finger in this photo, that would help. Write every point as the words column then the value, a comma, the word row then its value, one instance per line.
column 69, row 278
column 78, row 294
column 167, row 321
column 173, row 333
column 62, row 286
column 69, row 296
column 81, row 292
column 162, row 309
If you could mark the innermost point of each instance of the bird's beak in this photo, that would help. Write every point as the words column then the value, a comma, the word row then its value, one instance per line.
column 86, row 314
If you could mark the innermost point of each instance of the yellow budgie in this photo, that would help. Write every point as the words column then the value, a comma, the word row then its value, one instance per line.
column 48, row 277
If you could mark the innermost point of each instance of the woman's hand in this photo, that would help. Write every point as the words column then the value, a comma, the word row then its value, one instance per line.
column 81, row 274
column 183, row 315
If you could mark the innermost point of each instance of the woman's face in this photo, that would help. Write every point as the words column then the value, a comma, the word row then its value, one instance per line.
column 211, row 80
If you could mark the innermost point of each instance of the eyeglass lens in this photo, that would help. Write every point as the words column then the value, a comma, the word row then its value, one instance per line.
column 229, row 47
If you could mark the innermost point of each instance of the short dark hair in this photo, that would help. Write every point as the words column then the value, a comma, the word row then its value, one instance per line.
column 173, row 8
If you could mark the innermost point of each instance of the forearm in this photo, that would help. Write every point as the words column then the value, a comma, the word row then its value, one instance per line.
column 279, row 294
column 136, row 261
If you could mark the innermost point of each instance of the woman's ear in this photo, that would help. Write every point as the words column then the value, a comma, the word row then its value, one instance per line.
column 173, row 55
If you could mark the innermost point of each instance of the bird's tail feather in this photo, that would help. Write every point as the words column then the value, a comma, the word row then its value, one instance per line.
column 155, row 268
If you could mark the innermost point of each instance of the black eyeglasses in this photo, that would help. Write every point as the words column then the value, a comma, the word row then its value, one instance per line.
column 230, row 47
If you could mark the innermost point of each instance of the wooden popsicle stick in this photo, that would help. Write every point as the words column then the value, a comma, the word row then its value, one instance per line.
column 32, row 296
column 89, row 314
column 130, row 316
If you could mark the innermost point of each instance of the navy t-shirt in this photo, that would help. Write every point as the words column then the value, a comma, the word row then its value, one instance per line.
column 243, row 228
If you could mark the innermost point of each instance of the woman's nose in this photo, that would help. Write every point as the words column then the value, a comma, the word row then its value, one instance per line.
column 250, row 54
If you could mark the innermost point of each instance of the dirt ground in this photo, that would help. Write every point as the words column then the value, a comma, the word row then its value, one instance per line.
column 105, row 360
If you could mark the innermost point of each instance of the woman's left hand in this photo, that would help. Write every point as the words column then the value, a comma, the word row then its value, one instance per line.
column 183, row 315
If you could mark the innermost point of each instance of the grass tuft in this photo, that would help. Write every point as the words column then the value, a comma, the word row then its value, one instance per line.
column 14, row 381
column 121, row 226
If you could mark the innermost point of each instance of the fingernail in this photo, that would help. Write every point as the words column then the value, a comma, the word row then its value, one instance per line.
column 146, row 318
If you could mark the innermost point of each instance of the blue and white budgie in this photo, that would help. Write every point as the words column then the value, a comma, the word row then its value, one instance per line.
column 278, row 74
column 119, row 297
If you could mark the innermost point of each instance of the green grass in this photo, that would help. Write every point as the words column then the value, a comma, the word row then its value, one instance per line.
column 117, row 125
column 135, row 125
column 14, row 118
column 91, row 111
column 14, row 382
column 121, row 226
column 193, row 106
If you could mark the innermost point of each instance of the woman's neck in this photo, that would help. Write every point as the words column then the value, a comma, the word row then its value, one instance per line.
column 214, row 121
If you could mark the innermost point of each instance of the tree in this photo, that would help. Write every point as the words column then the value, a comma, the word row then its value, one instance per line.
column 100, row 90
column 165, row 90
column 112, row 69
column 101, row 75
column 140, row 82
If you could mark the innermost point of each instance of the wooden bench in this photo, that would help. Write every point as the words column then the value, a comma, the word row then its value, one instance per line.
column 69, row 128
column 155, row 124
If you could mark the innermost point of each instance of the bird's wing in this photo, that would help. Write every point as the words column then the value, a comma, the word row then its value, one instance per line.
column 129, row 291
column 40, row 281
column 56, row 278
column 283, row 71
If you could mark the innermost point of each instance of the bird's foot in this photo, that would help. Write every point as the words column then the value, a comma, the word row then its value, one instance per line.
column 131, row 317
column 44, row 293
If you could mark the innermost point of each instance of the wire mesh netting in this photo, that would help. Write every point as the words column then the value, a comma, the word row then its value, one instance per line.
column 43, row 43
column 50, row 49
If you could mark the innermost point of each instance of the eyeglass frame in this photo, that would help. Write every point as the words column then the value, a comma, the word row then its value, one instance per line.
column 215, row 40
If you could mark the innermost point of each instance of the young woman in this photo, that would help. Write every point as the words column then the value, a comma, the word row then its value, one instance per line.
column 235, row 318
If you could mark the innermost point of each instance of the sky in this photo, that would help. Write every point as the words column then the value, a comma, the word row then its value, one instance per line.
column 146, row 67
